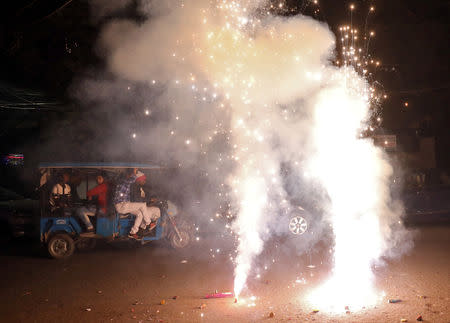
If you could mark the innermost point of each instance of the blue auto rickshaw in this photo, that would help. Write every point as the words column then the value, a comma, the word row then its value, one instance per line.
column 62, row 232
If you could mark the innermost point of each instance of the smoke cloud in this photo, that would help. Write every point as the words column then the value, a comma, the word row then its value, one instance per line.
column 249, row 103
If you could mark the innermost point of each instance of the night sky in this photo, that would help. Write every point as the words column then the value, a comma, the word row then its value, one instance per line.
column 50, row 45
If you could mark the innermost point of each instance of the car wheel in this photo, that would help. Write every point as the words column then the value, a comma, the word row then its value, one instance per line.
column 60, row 246
column 298, row 225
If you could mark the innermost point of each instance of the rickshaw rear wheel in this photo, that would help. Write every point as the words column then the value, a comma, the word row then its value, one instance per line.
column 60, row 246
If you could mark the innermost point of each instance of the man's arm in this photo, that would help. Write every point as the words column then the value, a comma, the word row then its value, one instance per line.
column 95, row 191
column 131, row 180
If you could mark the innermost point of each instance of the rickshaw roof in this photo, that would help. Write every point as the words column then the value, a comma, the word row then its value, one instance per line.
column 101, row 165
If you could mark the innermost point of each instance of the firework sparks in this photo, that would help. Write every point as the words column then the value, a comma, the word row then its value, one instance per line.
column 267, row 73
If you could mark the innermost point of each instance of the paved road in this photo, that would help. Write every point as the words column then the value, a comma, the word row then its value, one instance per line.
column 127, row 285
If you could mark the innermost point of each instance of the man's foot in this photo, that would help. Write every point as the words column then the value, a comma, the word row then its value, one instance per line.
column 141, row 232
column 134, row 236
column 150, row 227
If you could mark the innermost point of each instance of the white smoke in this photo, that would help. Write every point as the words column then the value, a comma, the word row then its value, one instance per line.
column 266, row 84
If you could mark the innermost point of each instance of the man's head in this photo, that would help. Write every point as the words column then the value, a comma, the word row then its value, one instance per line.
column 100, row 179
column 130, row 172
column 141, row 178
column 66, row 177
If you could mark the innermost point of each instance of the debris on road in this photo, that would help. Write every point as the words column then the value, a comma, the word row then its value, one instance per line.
column 27, row 293
column 183, row 261
column 163, row 301
column 395, row 301
column 419, row 318
column 202, row 306
column 88, row 309
column 315, row 311
column 403, row 320
column 271, row 314
column 219, row 295
column 175, row 297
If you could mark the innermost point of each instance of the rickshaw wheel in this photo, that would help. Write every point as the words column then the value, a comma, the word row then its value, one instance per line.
column 60, row 246
column 86, row 244
column 178, row 243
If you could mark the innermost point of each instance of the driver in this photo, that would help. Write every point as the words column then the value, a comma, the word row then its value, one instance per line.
column 123, row 204
column 139, row 193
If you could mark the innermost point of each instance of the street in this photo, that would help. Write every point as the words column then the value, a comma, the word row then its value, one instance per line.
column 122, row 284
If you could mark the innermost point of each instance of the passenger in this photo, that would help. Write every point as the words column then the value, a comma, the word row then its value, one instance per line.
column 60, row 195
column 124, row 205
column 140, row 194
column 101, row 192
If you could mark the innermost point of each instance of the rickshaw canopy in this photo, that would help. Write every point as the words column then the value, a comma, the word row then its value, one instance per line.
column 99, row 165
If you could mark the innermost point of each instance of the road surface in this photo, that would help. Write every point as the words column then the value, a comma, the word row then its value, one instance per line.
column 112, row 284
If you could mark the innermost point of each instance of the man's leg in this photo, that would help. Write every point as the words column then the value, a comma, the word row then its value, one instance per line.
column 154, row 213
column 82, row 213
column 133, row 208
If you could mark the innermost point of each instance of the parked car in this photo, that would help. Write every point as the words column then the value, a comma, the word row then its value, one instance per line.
column 426, row 193
column 16, row 214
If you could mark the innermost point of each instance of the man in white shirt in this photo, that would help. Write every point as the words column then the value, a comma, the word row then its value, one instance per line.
column 60, row 194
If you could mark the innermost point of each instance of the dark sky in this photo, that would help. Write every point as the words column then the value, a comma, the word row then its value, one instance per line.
column 46, row 44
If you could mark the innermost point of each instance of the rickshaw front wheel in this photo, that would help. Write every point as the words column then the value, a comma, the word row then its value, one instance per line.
column 60, row 246
column 179, row 242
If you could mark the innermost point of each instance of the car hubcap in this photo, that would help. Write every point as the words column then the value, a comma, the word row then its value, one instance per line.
column 298, row 225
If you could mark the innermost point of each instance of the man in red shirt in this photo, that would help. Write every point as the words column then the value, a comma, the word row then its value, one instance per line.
column 101, row 192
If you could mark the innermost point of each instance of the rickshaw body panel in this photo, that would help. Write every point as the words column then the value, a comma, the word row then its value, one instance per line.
column 106, row 226
column 52, row 225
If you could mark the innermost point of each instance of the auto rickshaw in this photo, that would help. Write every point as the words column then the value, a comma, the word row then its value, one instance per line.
column 61, row 231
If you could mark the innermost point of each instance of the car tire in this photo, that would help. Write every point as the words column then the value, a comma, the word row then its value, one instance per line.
column 60, row 246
